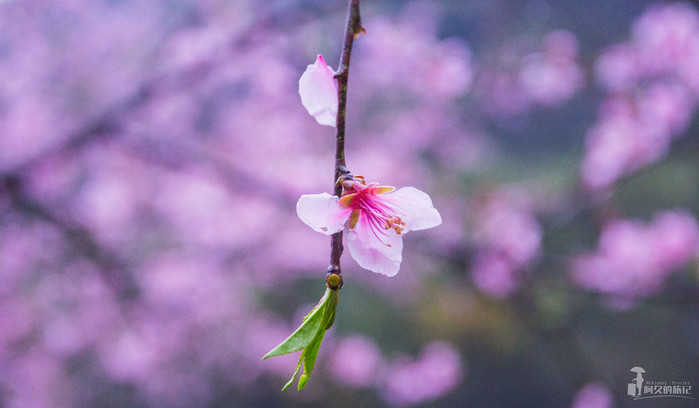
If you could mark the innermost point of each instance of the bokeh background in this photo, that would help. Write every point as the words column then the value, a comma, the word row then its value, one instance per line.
column 151, row 154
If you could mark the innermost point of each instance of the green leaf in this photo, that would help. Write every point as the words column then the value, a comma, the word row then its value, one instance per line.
column 302, row 381
column 310, row 353
column 308, row 337
column 329, row 317
column 293, row 377
column 304, row 334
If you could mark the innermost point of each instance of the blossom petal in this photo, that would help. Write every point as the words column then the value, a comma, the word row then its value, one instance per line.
column 415, row 206
column 322, row 212
column 318, row 90
column 377, row 255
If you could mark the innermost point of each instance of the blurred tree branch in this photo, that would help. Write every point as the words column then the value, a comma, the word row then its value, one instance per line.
column 78, row 236
column 111, row 124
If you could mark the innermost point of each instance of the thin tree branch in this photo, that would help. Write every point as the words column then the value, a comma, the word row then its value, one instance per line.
column 352, row 30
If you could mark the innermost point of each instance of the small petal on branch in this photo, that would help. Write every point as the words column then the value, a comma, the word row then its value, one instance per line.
column 318, row 90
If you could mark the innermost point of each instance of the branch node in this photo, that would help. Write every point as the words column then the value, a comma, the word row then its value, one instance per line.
column 334, row 280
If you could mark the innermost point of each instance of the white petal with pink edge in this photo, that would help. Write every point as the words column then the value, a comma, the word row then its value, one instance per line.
column 318, row 90
column 322, row 212
column 415, row 206
column 377, row 251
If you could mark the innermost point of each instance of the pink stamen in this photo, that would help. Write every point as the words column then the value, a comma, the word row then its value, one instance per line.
column 380, row 216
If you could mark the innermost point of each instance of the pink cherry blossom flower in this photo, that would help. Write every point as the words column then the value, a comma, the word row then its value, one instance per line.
column 377, row 217
column 318, row 90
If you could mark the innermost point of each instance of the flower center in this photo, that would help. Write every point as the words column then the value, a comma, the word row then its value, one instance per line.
column 380, row 216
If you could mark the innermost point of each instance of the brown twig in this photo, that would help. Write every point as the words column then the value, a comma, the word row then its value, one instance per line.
column 352, row 30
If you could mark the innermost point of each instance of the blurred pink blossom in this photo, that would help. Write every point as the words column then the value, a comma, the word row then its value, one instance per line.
column 617, row 67
column 593, row 395
column 133, row 355
column 615, row 147
column 445, row 67
column 665, row 108
column 549, row 74
column 355, row 361
column 38, row 380
column 665, row 35
column 677, row 238
column 634, row 259
column 494, row 275
column 664, row 42
column 205, row 213
column 194, row 46
column 631, row 134
column 553, row 76
column 19, row 317
column 436, row 372
column 507, row 237
column 650, row 73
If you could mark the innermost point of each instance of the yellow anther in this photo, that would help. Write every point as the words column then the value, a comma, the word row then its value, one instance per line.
column 347, row 200
column 354, row 217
